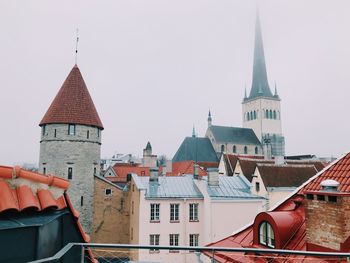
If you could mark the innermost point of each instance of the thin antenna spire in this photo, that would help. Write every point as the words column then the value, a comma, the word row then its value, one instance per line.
column 76, row 48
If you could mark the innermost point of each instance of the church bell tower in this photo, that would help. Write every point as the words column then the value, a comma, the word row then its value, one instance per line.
column 261, row 110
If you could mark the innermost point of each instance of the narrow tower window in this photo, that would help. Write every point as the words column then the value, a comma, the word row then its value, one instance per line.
column 94, row 171
column 71, row 129
column 87, row 134
column 222, row 148
column 70, row 172
column 98, row 132
column 274, row 115
column 245, row 149
column 43, row 129
column 44, row 170
column 270, row 114
column 248, row 116
column 256, row 150
column 81, row 200
column 254, row 115
column 234, row 150
column 55, row 133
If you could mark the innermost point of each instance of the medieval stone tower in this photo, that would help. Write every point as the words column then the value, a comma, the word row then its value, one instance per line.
column 70, row 143
column 261, row 109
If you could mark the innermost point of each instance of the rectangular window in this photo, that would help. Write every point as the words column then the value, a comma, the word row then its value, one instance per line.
column 155, row 212
column 81, row 200
column 98, row 132
column 108, row 192
column 43, row 129
column 55, row 133
column 70, row 172
column 174, row 212
column 194, row 240
column 321, row 197
column 44, row 170
column 310, row 196
column 95, row 171
column 332, row 199
column 173, row 241
column 154, row 241
column 193, row 212
column 257, row 186
column 71, row 129
column 87, row 134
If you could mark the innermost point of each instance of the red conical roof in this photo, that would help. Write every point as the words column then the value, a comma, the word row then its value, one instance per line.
column 73, row 103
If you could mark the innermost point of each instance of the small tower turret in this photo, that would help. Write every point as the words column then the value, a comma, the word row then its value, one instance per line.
column 209, row 119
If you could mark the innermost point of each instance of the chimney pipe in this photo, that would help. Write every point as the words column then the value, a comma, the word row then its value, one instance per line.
column 195, row 171
column 213, row 176
column 153, row 174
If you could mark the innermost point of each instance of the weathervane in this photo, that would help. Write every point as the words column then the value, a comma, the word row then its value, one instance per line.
column 76, row 48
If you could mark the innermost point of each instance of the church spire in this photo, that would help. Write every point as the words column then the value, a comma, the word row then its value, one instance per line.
column 260, row 85
column 209, row 119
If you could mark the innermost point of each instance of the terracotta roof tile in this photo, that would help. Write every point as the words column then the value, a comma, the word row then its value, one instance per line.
column 187, row 167
column 73, row 103
column 339, row 170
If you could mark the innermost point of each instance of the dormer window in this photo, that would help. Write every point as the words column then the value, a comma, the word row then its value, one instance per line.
column 71, row 129
column 266, row 235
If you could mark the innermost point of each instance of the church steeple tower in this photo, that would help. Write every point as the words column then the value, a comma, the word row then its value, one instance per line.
column 262, row 109
column 260, row 84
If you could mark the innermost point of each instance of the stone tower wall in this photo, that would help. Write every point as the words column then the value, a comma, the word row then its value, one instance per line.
column 60, row 151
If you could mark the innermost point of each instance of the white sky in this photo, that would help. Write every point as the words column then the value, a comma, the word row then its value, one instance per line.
column 155, row 67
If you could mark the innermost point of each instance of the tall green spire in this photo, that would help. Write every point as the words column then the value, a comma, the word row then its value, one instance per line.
column 260, row 85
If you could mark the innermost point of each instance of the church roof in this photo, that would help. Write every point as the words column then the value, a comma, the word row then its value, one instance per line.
column 260, row 85
column 73, row 103
column 235, row 135
column 196, row 149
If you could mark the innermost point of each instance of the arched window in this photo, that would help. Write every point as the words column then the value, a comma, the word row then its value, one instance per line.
column 254, row 115
column 274, row 115
column 245, row 149
column 278, row 115
column 234, row 149
column 251, row 115
column 266, row 235
column 267, row 114
column 256, row 150
column 270, row 114
column 248, row 116
column 222, row 148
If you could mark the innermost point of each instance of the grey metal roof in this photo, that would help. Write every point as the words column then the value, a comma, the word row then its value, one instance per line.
column 232, row 187
column 235, row 135
column 196, row 149
column 168, row 187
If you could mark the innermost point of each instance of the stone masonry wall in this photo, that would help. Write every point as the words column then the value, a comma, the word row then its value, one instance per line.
column 81, row 152
column 111, row 219
column 328, row 223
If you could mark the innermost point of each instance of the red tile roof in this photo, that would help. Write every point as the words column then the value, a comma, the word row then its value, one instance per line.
column 293, row 206
column 186, row 167
column 23, row 190
column 122, row 171
column 73, row 103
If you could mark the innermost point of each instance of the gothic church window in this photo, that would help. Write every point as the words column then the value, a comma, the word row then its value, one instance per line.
column 254, row 115
column 270, row 114
column 274, row 115
column 248, row 116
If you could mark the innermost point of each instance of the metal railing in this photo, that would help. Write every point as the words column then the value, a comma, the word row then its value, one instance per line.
column 210, row 252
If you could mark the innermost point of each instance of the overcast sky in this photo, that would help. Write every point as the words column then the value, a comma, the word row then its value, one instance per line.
column 155, row 67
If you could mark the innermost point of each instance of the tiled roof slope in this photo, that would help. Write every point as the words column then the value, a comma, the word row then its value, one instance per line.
column 339, row 171
column 22, row 190
column 186, row 167
column 73, row 103
column 235, row 135
column 285, row 175
column 196, row 149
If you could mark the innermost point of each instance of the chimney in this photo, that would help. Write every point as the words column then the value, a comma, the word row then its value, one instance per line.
column 195, row 171
column 327, row 213
column 213, row 176
column 153, row 174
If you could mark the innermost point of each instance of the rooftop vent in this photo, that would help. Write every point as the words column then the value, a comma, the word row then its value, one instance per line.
column 329, row 185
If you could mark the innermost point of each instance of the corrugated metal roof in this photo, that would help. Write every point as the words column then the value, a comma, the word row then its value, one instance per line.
column 231, row 187
column 169, row 187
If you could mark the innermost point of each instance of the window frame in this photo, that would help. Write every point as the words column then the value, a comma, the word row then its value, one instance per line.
column 266, row 235
column 154, row 241
column 175, row 213
column 174, row 242
column 193, row 240
column 155, row 213
column 71, row 129
column 110, row 194
column 70, row 173
column 193, row 212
